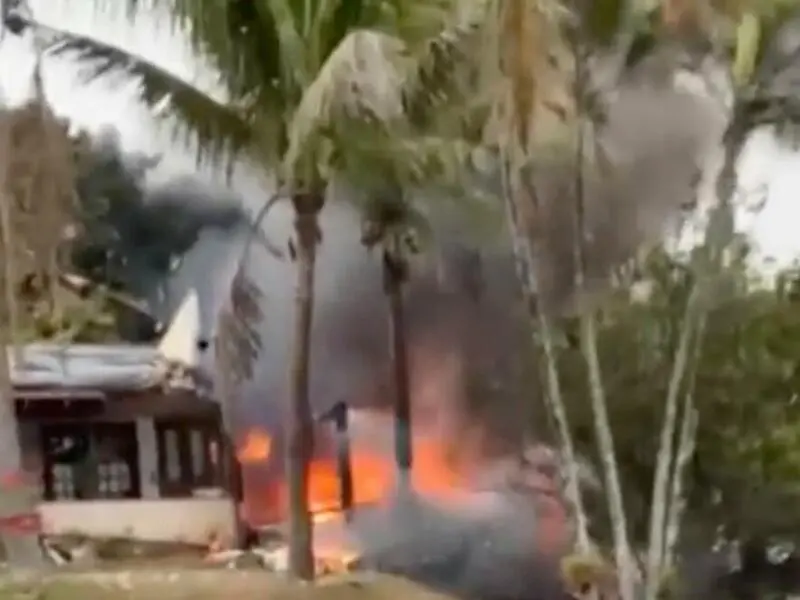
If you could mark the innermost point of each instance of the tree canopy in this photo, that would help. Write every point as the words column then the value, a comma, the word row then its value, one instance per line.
column 743, row 477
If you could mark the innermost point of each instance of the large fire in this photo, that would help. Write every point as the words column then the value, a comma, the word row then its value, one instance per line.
column 373, row 475
column 437, row 475
column 433, row 475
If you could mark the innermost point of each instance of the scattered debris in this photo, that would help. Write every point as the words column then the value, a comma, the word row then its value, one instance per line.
column 79, row 550
column 276, row 560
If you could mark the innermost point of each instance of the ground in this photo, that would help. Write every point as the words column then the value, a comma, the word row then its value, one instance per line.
column 147, row 584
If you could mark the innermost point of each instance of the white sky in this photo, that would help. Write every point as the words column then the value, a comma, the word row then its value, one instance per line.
column 765, row 168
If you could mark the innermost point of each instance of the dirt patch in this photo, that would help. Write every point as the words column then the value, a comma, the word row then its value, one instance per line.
column 205, row 585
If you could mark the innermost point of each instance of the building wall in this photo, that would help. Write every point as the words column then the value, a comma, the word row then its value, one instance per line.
column 188, row 520
column 151, row 518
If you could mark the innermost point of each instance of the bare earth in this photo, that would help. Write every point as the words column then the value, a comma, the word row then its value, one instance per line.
column 150, row 584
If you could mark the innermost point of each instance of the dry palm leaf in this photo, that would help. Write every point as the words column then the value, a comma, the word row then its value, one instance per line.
column 238, row 341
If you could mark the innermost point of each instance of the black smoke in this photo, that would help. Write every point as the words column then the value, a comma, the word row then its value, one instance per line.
column 134, row 235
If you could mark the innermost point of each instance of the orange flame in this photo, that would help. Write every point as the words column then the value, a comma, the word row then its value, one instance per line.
column 256, row 447
column 433, row 475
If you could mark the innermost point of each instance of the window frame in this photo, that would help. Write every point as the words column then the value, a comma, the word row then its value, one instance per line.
column 188, row 480
column 95, row 431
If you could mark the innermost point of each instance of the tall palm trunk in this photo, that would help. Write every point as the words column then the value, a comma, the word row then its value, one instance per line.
column 395, row 275
column 626, row 570
column 525, row 265
column 300, row 425
column 520, row 53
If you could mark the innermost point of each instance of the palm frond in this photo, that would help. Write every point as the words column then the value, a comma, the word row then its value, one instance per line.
column 221, row 131
column 359, row 82
column 443, row 73
column 238, row 342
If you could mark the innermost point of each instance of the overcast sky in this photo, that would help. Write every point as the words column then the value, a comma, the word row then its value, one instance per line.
column 766, row 168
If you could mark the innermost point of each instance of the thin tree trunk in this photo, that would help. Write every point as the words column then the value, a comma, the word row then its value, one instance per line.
column 626, row 568
column 719, row 234
column 686, row 446
column 227, row 451
column 687, row 443
column 605, row 442
column 664, row 458
column 525, row 265
column 395, row 273
column 300, row 426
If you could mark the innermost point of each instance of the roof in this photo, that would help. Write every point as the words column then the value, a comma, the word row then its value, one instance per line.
column 173, row 363
column 93, row 366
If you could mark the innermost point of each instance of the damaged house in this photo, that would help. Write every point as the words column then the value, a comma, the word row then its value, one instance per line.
column 125, row 439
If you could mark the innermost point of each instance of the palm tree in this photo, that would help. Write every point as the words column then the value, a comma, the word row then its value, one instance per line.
column 306, row 84
column 388, row 223
column 527, row 37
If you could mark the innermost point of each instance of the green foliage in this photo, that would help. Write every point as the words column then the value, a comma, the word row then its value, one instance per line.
column 294, row 73
column 82, row 320
column 747, row 463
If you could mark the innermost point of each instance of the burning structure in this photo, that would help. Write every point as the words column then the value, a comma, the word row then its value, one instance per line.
column 486, row 504
column 487, row 515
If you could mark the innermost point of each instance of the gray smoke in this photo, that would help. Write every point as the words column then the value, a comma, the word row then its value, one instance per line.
column 159, row 239
column 468, row 339
column 487, row 555
column 656, row 139
column 655, row 136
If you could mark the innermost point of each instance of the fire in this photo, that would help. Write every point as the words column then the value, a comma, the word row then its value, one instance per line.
column 374, row 477
column 373, row 474
column 437, row 476
column 256, row 447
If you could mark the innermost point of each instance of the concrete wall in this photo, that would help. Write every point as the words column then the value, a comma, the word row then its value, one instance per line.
column 151, row 518
column 189, row 520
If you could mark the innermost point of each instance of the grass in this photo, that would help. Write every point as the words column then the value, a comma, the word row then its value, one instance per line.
column 151, row 584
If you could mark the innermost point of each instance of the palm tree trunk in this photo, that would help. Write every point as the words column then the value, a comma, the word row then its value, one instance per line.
column 231, row 469
column 300, row 425
column 395, row 275
column 626, row 568
column 525, row 265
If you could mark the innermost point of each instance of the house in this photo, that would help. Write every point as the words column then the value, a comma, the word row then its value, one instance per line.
column 126, row 439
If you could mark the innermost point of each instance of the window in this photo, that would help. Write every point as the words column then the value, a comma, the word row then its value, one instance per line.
column 90, row 461
column 187, row 456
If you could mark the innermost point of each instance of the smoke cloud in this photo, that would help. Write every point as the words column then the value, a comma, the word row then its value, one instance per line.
column 657, row 140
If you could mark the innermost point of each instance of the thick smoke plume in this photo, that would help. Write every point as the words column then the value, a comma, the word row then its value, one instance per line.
column 155, row 241
column 468, row 339
column 656, row 140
